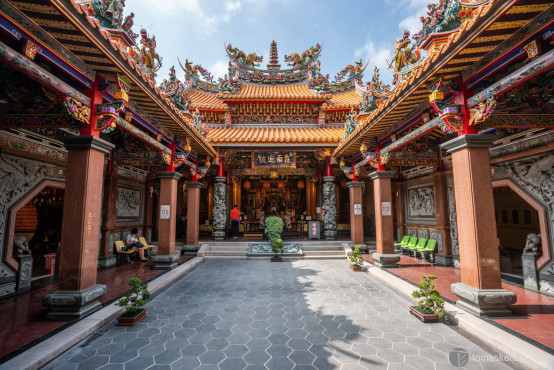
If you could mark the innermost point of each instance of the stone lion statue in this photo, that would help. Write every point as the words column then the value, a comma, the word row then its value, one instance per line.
column 21, row 246
column 533, row 244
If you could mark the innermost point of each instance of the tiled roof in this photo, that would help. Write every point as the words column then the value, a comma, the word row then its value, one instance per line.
column 299, row 91
column 275, row 135
column 205, row 100
column 347, row 99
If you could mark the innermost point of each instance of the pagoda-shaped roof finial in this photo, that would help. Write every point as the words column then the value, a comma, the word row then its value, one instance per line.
column 273, row 56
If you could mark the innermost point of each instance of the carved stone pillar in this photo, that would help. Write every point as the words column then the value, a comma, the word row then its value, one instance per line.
column 384, row 227
column 77, row 294
column 443, row 256
column 220, row 208
column 193, row 212
column 329, row 208
column 356, row 215
column 25, row 272
column 480, row 290
column 166, row 259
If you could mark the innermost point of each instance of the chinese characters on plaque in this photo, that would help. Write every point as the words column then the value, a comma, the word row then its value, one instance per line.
column 385, row 209
column 165, row 212
column 274, row 159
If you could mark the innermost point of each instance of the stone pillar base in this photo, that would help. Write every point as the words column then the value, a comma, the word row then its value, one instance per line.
column 25, row 273
column 330, row 234
column 190, row 248
column 218, row 235
column 106, row 262
column 484, row 302
column 70, row 305
column 444, row 260
column 166, row 262
column 385, row 260
column 530, row 277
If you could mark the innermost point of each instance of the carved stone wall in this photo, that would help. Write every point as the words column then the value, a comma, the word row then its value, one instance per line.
column 535, row 175
column 421, row 201
column 18, row 176
column 452, row 215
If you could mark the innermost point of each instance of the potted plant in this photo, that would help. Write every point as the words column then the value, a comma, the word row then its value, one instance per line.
column 356, row 259
column 274, row 229
column 132, row 301
column 276, row 248
column 431, row 306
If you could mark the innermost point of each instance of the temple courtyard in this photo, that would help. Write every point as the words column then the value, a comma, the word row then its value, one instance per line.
column 303, row 314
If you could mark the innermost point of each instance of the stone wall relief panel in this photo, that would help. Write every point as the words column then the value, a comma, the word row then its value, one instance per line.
column 129, row 203
column 18, row 176
column 437, row 235
column 421, row 202
column 421, row 233
column 112, row 239
column 412, row 232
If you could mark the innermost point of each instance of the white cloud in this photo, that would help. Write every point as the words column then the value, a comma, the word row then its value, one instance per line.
column 418, row 8
column 219, row 68
column 377, row 55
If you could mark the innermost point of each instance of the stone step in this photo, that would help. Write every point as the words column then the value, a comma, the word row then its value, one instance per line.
column 322, row 248
column 227, row 248
column 226, row 257
column 324, row 253
column 225, row 253
column 320, row 257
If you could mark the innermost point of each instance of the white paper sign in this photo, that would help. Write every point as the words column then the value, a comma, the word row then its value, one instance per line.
column 357, row 209
column 318, row 210
column 385, row 209
column 165, row 211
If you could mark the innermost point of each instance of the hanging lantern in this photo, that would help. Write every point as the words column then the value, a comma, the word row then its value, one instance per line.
column 344, row 184
column 281, row 184
column 300, row 184
column 247, row 185
column 266, row 185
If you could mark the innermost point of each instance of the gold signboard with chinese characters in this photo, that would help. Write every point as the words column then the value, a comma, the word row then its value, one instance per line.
column 274, row 159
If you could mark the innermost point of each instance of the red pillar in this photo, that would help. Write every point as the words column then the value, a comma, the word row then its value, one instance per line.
column 166, row 258
column 356, row 213
column 480, row 290
column 328, row 168
column 193, row 212
column 384, row 226
column 78, row 293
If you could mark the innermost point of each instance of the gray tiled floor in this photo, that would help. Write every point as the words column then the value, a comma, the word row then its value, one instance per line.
column 257, row 315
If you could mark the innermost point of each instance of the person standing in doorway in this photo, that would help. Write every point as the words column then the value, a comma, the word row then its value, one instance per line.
column 235, row 215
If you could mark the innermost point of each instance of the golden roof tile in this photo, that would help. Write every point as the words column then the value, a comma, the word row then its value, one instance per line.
column 348, row 99
column 298, row 91
column 205, row 100
column 275, row 135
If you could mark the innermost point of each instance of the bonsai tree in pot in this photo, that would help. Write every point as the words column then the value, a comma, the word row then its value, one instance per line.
column 431, row 306
column 273, row 230
column 357, row 262
column 132, row 301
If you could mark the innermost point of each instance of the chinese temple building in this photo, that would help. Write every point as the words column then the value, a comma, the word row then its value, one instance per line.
column 458, row 148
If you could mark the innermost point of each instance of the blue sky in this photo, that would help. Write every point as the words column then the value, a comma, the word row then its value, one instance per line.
column 348, row 29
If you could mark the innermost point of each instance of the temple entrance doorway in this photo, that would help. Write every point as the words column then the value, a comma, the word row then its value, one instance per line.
column 39, row 221
column 516, row 219
column 292, row 198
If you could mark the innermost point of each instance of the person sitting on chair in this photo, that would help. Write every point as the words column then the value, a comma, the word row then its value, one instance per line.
column 132, row 242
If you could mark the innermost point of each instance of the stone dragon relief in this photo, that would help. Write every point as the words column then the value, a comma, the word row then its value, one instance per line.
column 219, row 209
column 329, row 206
column 17, row 177
column 536, row 175
column 452, row 215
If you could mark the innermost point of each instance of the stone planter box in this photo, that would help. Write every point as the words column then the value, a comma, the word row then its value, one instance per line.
column 131, row 321
column 356, row 268
column 423, row 317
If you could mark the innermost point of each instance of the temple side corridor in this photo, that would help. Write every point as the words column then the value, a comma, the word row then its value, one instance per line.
column 259, row 315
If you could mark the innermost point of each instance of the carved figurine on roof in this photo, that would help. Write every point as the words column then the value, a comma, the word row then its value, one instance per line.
column 174, row 90
column 405, row 57
column 350, row 124
column 194, row 72
column 296, row 60
column 441, row 17
column 251, row 60
column 353, row 71
column 108, row 12
column 316, row 80
column 230, row 82
column 146, row 57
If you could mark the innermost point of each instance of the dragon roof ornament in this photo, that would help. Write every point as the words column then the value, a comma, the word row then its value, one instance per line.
column 176, row 91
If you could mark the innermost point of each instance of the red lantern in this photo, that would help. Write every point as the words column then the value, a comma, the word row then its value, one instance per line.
column 247, row 185
column 266, row 185
column 281, row 185
column 300, row 184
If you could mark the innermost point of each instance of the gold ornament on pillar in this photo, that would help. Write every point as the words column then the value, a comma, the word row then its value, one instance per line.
column 300, row 184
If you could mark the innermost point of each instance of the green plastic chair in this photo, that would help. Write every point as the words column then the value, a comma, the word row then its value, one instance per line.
column 420, row 245
column 404, row 241
column 411, row 243
column 428, row 250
